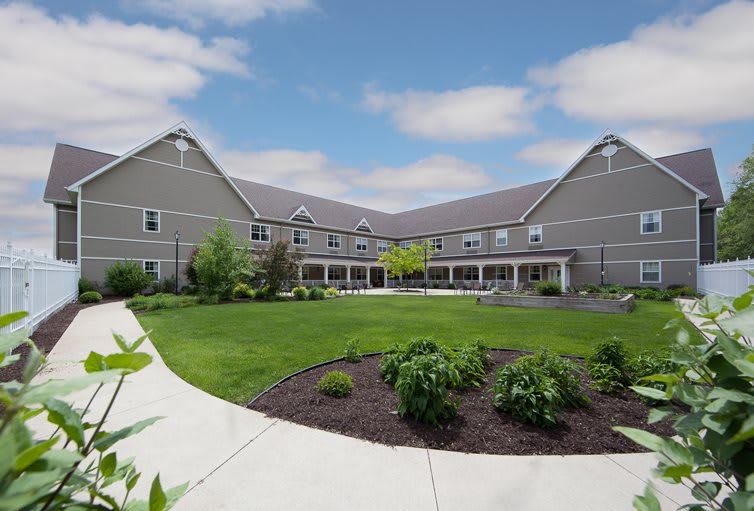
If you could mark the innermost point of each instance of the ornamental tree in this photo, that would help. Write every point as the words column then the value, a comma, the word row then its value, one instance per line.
column 405, row 261
column 279, row 265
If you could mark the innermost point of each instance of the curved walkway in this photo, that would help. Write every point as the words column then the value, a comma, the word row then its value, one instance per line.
column 237, row 458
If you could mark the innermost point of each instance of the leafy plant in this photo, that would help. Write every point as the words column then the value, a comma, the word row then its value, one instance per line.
column 612, row 352
column 207, row 299
column 528, row 393
column 243, row 290
column 316, row 293
column 351, row 353
column 565, row 373
column 50, row 473
column 397, row 354
column 677, row 291
column 335, row 384
column 300, row 293
column 422, row 387
column 451, row 285
column 279, row 265
column 710, row 399
column 90, row 297
column 160, row 301
column 470, row 362
column 85, row 285
column 166, row 285
column 548, row 288
column 126, row 278
column 331, row 292
column 606, row 378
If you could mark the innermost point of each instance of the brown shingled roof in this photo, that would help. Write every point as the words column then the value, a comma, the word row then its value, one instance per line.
column 698, row 168
column 69, row 164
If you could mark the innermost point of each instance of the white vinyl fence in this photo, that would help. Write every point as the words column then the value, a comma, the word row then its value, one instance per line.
column 36, row 284
column 727, row 279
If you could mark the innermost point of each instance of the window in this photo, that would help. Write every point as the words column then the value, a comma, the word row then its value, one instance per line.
column 151, row 221
column 362, row 244
column 651, row 222
column 471, row 273
column 260, row 233
column 435, row 274
column 535, row 272
column 435, row 243
column 359, row 273
column 535, row 234
column 473, row 240
column 334, row 273
column 650, row 272
column 333, row 241
column 501, row 238
column 405, row 244
column 501, row 273
column 381, row 246
column 152, row 268
column 305, row 273
column 300, row 237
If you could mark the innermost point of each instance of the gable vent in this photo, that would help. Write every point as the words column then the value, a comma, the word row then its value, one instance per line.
column 302, row 215
column 364, row 226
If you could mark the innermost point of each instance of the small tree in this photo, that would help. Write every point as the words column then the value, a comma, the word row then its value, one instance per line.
column 190, row 271
column 736, row 223
column 405, row 261
column 220, row 264
column 280, row 265
column 126, row 278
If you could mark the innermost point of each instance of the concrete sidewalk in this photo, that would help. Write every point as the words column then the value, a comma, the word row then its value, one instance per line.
column 237, row 458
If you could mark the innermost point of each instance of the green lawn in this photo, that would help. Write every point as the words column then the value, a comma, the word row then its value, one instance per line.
column 235, row 351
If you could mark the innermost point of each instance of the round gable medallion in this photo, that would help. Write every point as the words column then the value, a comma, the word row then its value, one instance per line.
column 609, row 150
column 181, row 145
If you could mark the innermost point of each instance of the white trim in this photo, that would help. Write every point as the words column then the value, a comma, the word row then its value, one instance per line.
column 641, row 223
column 639, row 261
column 300, row 209
column 698, row 235
column 179, row 167
column 247, row 222
column 336, row 238
column 641, row 272
column 173, row 143
column 78, row 227
column 497, row 238
column 363, row 221
column 366, row 244
column 74, row 211
column 261, row 232
column 541, row 234
column 144, row 267
column 434, row 245
column 144, row 220
column 606, row 173
column 471, row 240
column 93, row 258
column 67, row 242
column 54, row 231
column 130, row 240
column 293, row 238
column 528, row 274
column 387, row 245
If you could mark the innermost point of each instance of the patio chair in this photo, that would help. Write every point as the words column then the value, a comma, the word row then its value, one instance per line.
column 349, row 287
column 476, row 287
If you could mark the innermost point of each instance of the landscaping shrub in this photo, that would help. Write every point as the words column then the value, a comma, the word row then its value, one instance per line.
column 335, row 384
column 451, row 285
column 611, row 352
column 279, row 265
column 645, row 293
column 207, row 299
column 300, row 293
column 605, row 378
column 126, row 278
column 682, row 291
column 90, row 297
column 435, row 285
column 161, row 301
column 528, row 394
column 665, row 296
column 609, row 296
column 316, row 293
column 548, row 288
column 615, row 289
column 422, row 387
column 331, row 292
column 648, row 364
column 243, row 290
column 166, row 285
column 591, row 288
column 351, row 353
column 565, row 372
column 190, row 271
column 85, row 285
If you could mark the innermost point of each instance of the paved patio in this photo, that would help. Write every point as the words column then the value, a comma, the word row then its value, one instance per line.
column 237, row 458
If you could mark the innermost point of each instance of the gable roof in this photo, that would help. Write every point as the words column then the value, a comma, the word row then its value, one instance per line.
column 69, row 164
column 302, row 212
column 698, row 168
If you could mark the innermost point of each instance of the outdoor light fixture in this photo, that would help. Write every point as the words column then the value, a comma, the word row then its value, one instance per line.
column 177, row 237
column 602, row 263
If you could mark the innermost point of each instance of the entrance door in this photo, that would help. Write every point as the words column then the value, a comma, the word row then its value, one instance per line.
column 553, row 273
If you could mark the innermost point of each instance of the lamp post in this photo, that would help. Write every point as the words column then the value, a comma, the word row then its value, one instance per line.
column 602, row 263
column 426, row 282
column 177, row 237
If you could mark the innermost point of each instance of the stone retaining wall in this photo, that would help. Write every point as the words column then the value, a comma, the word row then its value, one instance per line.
column 622, row 306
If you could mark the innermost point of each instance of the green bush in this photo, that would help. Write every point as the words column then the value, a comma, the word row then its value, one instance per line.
column 160, row 301
column 126, row 278
column 451, row 285
column 665, row 296
column 242, row 290
column 316, row 293
column 300, row 293
column 331, row 292
column 335, row 384
column 646, row 293
column 166, row 285
column 435, row 285
column 351, row 353
column 687, row 291
column 611, row 352
column 528, row 393
column 606, row 378
column 85, row 285
column 548, row 288
column 90, row 297
column 422, row 387
column 207, row 299
column 565, row 372
column 74, row 465
column 470, row 361
column 397, row 354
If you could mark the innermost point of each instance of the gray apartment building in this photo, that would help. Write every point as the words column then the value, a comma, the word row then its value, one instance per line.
column 654, row 216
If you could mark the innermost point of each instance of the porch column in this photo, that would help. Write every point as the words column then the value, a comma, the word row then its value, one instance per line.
column 300, row 273
column 515, row 275
column 451, row 272
column 327, row 266
column 563, row 284
column 348, row 273
column 481, row 274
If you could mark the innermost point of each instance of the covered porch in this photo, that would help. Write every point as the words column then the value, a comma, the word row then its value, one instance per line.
column 341, row 272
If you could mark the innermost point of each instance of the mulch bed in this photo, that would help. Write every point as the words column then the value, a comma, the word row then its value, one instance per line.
column 369, row 413
column 46, row 336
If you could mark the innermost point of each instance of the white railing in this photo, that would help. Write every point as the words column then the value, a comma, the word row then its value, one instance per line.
column 727, row 279
column 36, row 284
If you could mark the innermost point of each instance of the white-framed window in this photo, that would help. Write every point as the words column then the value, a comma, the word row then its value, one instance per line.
column 470, row 273
column 472, row 240
column 501, row 238
column 405, row 244
column 152, row 268
column 333, row 241
column 335, row 272
column 381, row 246
column 362, row 244
column 501, row 273
column 301, row 237
column 651, row 272
column 359, row 273
column 651, row 222
column 436, row 243
column 151, row 221
column 260, row 233
column 305, row 273
column 535, row 272
column 535, row 234
column 434, row 274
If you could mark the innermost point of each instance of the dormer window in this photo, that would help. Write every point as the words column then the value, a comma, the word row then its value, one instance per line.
column 302, row 215
column 364, row 226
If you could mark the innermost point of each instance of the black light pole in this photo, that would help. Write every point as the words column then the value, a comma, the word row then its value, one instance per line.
column 602, row 263
column 177, row 237
column 426, row 282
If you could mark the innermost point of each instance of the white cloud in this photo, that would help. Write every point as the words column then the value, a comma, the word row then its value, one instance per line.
column 229, row 12
column 437, row 173
column 690, row 69
column 465, row 115
column 555, row 152
column 656, row 141
column 24, row 162
column 318, row 94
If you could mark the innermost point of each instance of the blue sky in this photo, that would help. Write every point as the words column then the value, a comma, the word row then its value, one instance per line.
column 389, row 104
